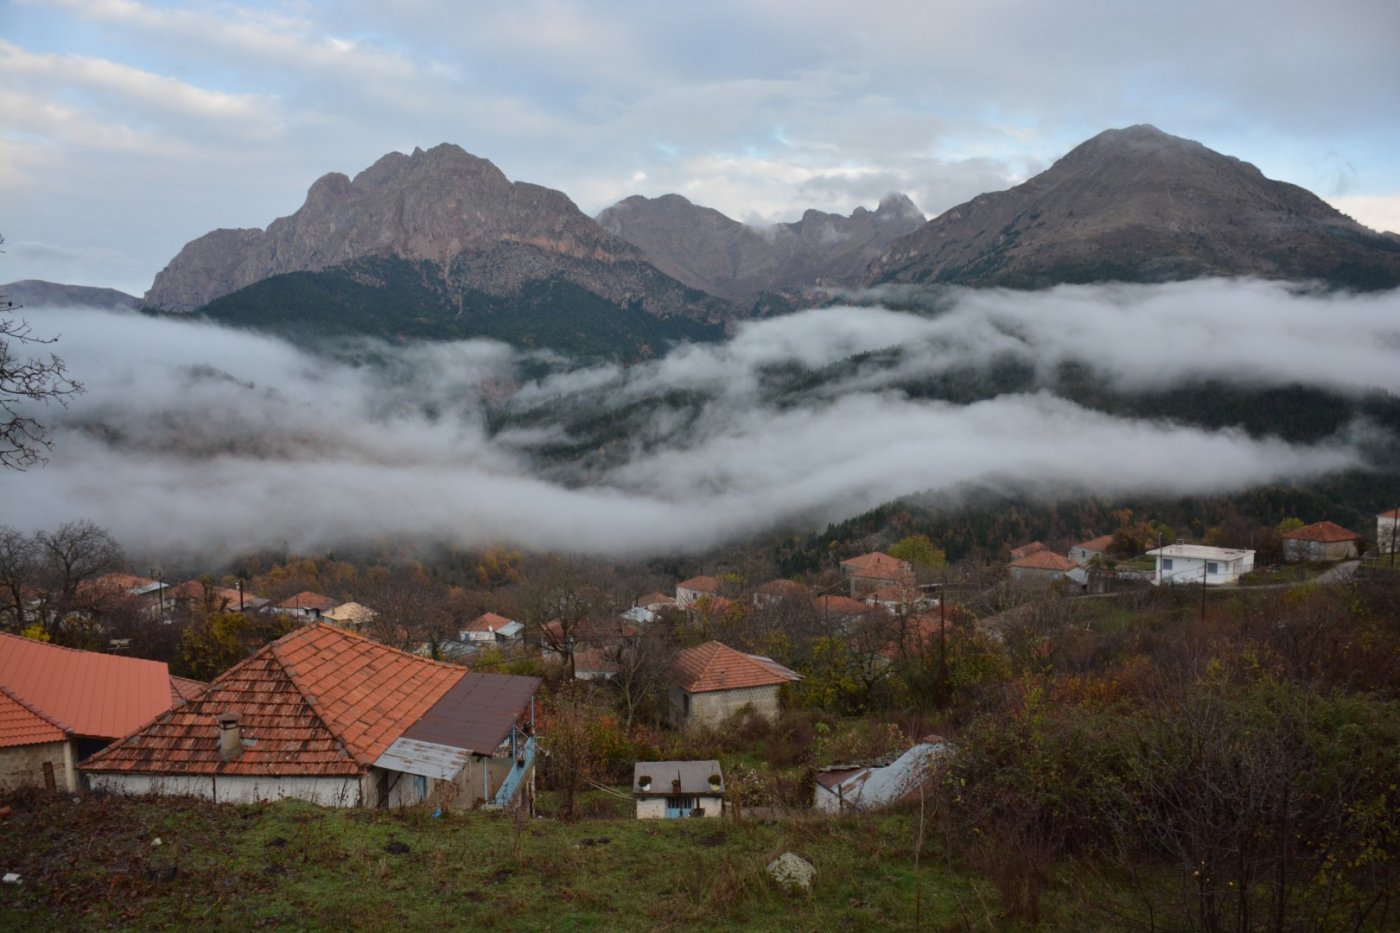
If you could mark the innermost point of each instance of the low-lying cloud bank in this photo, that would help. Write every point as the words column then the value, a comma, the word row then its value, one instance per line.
column 215, row 441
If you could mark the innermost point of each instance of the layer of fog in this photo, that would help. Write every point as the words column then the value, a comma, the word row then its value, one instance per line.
column 194, row 437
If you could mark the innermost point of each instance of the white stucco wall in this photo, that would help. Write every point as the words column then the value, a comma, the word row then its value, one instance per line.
column 654, row 808
column 325, row 791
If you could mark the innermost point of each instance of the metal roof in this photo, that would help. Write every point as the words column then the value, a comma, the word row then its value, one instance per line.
column 97, row 695
column 429, row 759
column 693, row 775
column 477, row 713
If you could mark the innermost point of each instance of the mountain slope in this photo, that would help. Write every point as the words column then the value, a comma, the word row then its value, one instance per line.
column 445, row 207
column 709, row 251
column 1140, row 205
column 36, row 293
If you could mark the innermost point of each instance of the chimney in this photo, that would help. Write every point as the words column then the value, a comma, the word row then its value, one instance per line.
column 230, row 741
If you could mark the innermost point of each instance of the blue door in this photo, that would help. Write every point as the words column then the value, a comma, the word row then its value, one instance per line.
column 679, row 807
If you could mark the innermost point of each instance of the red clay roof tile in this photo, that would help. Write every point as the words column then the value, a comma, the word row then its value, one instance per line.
column 1323, row 531
column 319, row 701
column 715, row 666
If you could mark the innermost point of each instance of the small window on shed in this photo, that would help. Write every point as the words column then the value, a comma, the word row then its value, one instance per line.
column 1212, row 567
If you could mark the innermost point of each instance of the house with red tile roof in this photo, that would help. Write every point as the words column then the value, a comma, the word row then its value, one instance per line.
column 306, row 606
column 60, row 705
column 689, row 592
column 1041, row 567
column 712, row 681
column 1026, row 550
column 1321, row 541
column 1085, row 551
column 777, row 592
column 490, row 628
column 874, row 570
column 334, row 718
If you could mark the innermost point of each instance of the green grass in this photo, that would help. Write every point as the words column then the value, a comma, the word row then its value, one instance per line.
column 87, row 862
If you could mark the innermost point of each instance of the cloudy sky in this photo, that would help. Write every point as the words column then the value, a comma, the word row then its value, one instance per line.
column 129, row 127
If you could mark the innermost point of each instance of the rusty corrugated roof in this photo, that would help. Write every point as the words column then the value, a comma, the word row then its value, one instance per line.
column 96, row 695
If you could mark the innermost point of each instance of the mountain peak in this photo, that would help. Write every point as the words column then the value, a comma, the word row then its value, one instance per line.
column 1138, row 204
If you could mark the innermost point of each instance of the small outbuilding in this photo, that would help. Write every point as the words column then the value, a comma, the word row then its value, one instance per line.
column 842, row 788
column 677, row 789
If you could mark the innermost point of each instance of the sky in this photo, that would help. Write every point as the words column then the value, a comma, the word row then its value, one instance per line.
column 201, row 442
column 128, row 127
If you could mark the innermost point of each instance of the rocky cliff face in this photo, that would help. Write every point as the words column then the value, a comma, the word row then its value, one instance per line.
column 1140, row 205
column 709, row 251
column 443, row 206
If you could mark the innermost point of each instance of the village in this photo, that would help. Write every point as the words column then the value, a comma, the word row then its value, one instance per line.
column 851, row 689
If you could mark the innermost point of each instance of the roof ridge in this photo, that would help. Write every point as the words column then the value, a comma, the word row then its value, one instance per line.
column 313, row 701
column 30, row 707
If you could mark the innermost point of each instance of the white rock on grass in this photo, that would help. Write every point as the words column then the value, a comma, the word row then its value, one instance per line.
column 792, row 872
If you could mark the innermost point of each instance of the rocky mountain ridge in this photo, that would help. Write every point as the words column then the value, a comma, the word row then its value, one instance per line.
column 709, row 251
column 443, row 206
column 1140, row 205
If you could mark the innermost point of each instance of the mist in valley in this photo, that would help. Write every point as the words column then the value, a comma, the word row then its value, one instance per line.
column 204, row 440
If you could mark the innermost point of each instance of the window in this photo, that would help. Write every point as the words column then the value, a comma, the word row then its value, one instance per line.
column 1212, row 567
column 1166, row 563
column 680, row 803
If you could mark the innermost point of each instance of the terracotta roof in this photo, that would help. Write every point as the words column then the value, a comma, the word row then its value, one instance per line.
column 115, row 583
column 1324, row 532
column 655, row 599
column 21, row 724
column 783, row 588
column 715, row 666
column 1393, row 513
column 1100, row 544
column 309, row 600
column 97, row 695
column 183, row 688
column 841, row 606
column 1044, row 560
column 320, row 701
column 486, row 622
column 190, row 589
column 877, row 566
column 700, row 585
column 1026, row 550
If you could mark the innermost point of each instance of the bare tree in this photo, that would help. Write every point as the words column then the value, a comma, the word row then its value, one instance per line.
column 19, row 570
column 70, row 556
column 24, row 381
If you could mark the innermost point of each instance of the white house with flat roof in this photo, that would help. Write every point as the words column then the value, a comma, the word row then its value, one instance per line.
column 1189, row 563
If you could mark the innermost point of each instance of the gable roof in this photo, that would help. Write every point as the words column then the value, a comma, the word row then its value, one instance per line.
column 877, row 565
column 487, row 622
column 319, row 701
column 838, row 605
column 1044, row 560
column 96, row 695
column 652, row 600
column 309, row 600
column 1026, row 550
column 1100, row 544
column 716, row 666
column 701, row 584
column 1323, row 531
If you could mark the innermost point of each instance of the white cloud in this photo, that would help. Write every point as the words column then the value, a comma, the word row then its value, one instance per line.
column 194, row 437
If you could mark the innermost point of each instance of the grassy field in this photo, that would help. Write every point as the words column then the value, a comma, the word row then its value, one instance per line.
column 92, row 862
